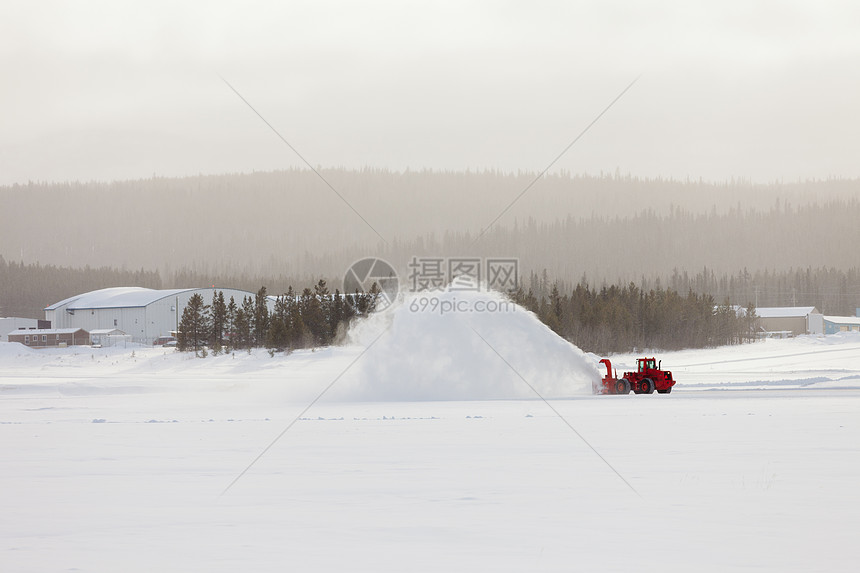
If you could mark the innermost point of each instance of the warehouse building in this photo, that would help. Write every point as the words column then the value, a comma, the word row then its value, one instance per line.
column 789, row 320
column 143, row 314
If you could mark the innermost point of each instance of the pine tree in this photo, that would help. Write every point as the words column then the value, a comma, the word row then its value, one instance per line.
column 297, row 332
column 749, row 323
column 373, row 297
column 230, row 323
column 360, row 302
column 261, row 317
column 246, row 334
column 553, row 311
column 195, row 324
column 239, row 340
column 337, row 315
column 278, row 335
column 313, row 319
column 219, row 319
column 322, row 295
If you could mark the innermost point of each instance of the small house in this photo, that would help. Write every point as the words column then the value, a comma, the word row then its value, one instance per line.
column 834, row 324
column 45, row 337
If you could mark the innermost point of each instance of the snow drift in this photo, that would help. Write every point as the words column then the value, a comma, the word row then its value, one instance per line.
column 462, row 345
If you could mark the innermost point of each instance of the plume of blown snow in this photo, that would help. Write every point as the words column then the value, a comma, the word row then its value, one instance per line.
column 453, row 345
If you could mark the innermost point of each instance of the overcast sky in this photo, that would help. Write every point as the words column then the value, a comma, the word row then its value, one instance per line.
column 116, row 90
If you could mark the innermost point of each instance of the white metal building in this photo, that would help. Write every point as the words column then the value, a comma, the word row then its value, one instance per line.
column 142, row 313
column 11, row 323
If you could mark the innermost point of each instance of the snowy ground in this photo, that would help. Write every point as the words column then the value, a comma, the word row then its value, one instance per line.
column 116, row 459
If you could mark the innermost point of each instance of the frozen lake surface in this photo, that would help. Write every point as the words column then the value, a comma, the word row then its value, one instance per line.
column 116, row 460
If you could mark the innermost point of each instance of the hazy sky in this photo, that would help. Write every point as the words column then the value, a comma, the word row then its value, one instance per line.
column 106, row 90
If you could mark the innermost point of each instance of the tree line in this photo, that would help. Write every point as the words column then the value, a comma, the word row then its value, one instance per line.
column 625, row 318
column 606, row 320
column 831, row 291
column 26, row 289
column 315, row 317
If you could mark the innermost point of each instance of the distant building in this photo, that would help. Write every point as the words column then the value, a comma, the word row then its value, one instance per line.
column 142, row 313
column 14, row 323
column 45, row 337
column 834, row 324
column 108, row 337
column 789, row 320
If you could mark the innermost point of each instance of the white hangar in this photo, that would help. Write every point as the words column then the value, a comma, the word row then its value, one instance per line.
column 142, row 313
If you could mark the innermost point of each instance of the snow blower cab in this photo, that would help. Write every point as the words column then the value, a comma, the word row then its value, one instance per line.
column 647, row 378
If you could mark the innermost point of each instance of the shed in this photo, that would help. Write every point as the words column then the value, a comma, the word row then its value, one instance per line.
column 109, row 337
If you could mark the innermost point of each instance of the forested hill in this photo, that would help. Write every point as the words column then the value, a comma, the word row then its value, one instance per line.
column 25, row 290
column 290, row 224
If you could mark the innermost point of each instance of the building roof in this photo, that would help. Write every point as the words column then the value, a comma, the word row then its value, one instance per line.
column 785, row 311
column 116, row 297
column 102, row 331
column 852, row 320
column 45, row 331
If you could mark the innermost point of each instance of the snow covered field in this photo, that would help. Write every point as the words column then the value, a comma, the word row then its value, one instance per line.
column 116, row 460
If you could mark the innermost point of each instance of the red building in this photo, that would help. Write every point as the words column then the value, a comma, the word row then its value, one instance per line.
column 43, row 337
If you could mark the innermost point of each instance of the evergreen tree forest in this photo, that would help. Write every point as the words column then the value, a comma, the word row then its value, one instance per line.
column 612, row 227
column 625, row 318
column 313, row 318
column 26, row 289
